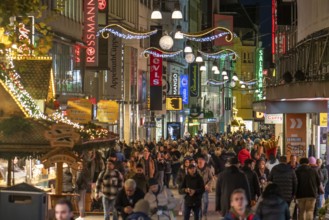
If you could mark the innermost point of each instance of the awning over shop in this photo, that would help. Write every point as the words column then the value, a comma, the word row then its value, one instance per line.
column 277, row 107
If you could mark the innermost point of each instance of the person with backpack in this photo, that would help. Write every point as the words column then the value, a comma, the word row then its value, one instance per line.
column 239, row 208
column 109, row 182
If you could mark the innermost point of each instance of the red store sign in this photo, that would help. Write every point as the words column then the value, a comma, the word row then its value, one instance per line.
column 155, row 71
column 90, row 30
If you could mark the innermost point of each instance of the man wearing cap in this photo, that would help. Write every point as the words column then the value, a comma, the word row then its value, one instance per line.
column 161, row 200
column 109, row 182
column 193, row 187
column 207, row 177
column 230, row 179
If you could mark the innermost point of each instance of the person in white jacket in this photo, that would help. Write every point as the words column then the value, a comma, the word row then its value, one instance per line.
column 161, row 200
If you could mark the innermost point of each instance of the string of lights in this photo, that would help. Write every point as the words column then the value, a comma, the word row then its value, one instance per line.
column 201, row 36
column 216, row 82
column 249, row 83
column 220, row 54
column 112, row 28
column 160, row 53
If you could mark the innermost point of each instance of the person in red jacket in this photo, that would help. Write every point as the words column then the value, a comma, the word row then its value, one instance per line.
column 244, row 154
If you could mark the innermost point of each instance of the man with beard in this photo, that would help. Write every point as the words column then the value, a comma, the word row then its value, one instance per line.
column 140, row 178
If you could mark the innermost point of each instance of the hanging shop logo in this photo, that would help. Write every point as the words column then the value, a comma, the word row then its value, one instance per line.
column 174, row 103
column 184, row 88
column 90, row 30
column 156, row 71
column 194, row 80
column 102, row 5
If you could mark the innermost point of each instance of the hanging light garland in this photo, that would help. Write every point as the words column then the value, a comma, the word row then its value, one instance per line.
column 202, row 36
column 220, row 54
column 112, row 28
column 249, row 83
column 160, row 53
column 10, row 80
column 216, row 82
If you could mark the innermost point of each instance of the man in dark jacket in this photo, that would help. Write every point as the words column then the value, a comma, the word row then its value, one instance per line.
column 230, row 179
column 127, row 198
column 307, row 189
column 284, row 176
column 252, row 179
column 193, row 188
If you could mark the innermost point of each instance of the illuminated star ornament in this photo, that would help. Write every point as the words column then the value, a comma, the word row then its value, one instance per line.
column 117, row 30
column 220, row 54
column 205, row 37
column 160, row 53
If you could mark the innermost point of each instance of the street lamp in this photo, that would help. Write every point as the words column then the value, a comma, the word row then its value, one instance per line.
column 156, row 14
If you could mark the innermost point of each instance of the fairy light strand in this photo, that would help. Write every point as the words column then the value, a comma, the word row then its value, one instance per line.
column 105, row 32
column 154, row 51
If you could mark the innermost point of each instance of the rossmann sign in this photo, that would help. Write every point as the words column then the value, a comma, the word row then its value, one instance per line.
column 90, row 31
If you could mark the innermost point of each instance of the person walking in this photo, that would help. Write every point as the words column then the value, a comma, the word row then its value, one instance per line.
column 109, row 182
column 307, row 189
column 64, row 210
column 83, row 183
column 141, row 211
column 230, row 179
column 161, row 200
column 273, row 206
column 182, row 172
column 253, row 180
column 207, row 177
column 285, row 178
column 239, row 210
column 193, row 188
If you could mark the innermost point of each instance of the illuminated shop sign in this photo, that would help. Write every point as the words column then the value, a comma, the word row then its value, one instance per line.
column 259, row 72
column 90, row 30
column 102, row 5
column 184, row 88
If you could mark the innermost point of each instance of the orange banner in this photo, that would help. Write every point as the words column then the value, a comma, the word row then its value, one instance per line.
column 295, row 135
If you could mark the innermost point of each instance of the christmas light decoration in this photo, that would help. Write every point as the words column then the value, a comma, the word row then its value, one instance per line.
column 220, row 54
column 10, row 80
column 202, row 36
column 163, row 54
column 112, row 28
column 216, row 82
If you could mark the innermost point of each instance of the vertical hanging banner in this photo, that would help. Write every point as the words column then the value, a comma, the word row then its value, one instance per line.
column 25, row 33
column 296, row 135
column 174, row 70
column 114, row 77
column 194, row 80
column 142, row 89
column 89, row 32
column 155, row 83
column 184, row 88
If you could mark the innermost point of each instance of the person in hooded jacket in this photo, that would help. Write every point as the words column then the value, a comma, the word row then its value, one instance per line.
column 161, row 200
column 273, row 206
column 243, row 154
column 284, row 176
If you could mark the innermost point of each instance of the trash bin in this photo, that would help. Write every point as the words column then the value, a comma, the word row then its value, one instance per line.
column 23, row 201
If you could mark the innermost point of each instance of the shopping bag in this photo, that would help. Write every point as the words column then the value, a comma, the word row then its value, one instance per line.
column 292, row 207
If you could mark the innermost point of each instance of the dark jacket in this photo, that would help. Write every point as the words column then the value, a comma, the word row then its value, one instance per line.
column 181, row 175
column 83, row 179
column 122, row 200
column 232, row 216
column 308, row 182
column 196, row 183
column 286, row 179
column 253, row 182
column 273, row 208
column 230, row 179
column 218, row 163
column 141, row 182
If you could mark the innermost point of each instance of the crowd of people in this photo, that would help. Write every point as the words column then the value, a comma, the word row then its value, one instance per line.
column 250, row 177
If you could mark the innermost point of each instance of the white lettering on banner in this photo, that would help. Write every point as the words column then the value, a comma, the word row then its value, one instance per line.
column 175, row 84
column 90, row 30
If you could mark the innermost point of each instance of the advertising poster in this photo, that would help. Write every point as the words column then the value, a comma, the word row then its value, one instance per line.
column 194, row 80
column 79, row 111
column 173, row 130
column 296, row 135
column 107, row 111
column 184, row 88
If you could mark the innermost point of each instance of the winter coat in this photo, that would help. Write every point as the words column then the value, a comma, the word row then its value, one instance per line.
column 150, row 172
column 253, row 182
column 181, row 175
column 67, row 182
column 286, row 179
column 164, row 200
column 218, row 163
column 83, row 181
column 230, row 179
column 141, row 182
column 231, row 215
column 243, row 155
column 109, row 182
column 273, row 208
column 196, row 183
column 206, row 175
column 308, row 182
column 122, row 201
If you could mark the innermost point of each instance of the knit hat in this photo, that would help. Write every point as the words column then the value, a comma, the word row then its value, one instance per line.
column 312, row 160
column 142, row 206
column 152, row 182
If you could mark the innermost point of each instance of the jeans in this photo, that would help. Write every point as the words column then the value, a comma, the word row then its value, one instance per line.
column 319, row 201
column 167, row 179
column 306, row 208
column 205, row 202
column 108, row 205
column 196, row 210
column 82, row 202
